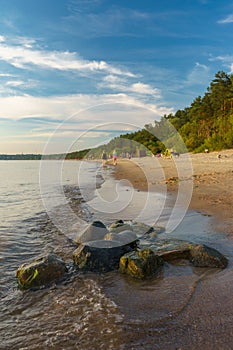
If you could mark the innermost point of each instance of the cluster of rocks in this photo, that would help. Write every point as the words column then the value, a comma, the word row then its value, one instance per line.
column 130, row 247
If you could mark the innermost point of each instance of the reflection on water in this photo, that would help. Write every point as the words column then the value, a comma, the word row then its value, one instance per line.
column 180, row 308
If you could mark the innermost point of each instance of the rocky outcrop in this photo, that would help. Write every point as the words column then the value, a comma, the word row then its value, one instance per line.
column 100, row 256
column 93, row 232
column 41, row 272
column 136, row 251
column 142, row 263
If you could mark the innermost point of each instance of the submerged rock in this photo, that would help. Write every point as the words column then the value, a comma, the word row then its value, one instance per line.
column 41, row 271
column 100, row 256
column 94, row 231
column 143, row 263
column 203, row 256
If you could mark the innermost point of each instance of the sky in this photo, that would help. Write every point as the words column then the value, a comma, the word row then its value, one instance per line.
column 76, row 73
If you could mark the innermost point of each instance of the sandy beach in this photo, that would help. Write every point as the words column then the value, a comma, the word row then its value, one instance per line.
column 210, row 177
column 203, row 320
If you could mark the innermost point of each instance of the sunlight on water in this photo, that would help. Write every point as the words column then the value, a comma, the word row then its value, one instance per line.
column 88, row 311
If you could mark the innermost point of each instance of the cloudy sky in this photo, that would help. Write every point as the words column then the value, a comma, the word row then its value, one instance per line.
column 75, row 73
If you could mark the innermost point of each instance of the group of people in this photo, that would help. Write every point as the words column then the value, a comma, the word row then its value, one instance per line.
column 105, row 158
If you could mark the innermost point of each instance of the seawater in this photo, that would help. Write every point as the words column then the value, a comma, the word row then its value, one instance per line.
column 42, row 208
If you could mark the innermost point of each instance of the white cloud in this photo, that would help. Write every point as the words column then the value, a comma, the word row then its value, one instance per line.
column 6, row 75
column 198, row 75
column 144, row 89
column 226, row 61
column 20, row 83
column 73, row 117
column 228, row 19
column 17, row 107
column 15, row 83
column 23, row 56
column 116, row 83
column 113, row 79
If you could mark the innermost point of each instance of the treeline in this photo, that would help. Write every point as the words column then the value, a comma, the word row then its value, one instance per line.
column 208, row 122
column 77, row 155
column 59, row 156
column 20, row 156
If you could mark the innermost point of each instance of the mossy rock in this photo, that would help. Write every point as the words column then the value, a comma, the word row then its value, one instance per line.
column 140, row 264
column 41, row 272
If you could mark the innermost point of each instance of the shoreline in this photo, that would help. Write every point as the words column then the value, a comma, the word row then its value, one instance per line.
column 211, row 178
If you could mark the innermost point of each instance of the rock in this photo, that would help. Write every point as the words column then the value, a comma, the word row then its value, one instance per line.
column 41, row 272
column 168, row 249
column 142, row 229
column 119, row 226
column 124, row 237
column 157, row 230
column 143, row 263
column 100, row 256
column 174, row 249
column 94, row 231
column 203, row 256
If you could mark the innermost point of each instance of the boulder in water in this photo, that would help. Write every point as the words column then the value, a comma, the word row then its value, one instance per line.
column 41, row 272
column 203, row 256
column 173, row 249
column 100, row 256
column 143, row 263
column 124, row 237
column 94, row 231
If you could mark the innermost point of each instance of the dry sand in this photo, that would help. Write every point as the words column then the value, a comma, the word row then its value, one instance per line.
column 208, row 177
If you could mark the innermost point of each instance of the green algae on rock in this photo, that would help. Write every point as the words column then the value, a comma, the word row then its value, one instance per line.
column 142, row 263
column 41, row 272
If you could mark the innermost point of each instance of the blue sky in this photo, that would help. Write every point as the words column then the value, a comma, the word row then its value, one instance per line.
column 75, row 73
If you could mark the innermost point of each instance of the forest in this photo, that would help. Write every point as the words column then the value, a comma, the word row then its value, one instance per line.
column 206, row 124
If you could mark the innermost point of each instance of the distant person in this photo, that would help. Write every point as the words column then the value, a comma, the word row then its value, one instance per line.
column 114, row 154
column 104, row 158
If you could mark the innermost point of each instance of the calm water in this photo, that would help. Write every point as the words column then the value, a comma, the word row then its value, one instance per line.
column 182, row 308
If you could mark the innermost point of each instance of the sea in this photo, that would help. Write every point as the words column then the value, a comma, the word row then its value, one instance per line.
column 44, row 205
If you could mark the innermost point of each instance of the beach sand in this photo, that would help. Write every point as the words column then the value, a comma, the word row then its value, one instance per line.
column 166, row 317
column 209, row 178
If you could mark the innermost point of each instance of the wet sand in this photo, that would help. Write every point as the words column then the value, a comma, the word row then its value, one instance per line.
column 184, row 307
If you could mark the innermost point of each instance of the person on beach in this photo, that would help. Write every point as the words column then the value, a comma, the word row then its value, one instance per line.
column 104, row 159
column 114, row 154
